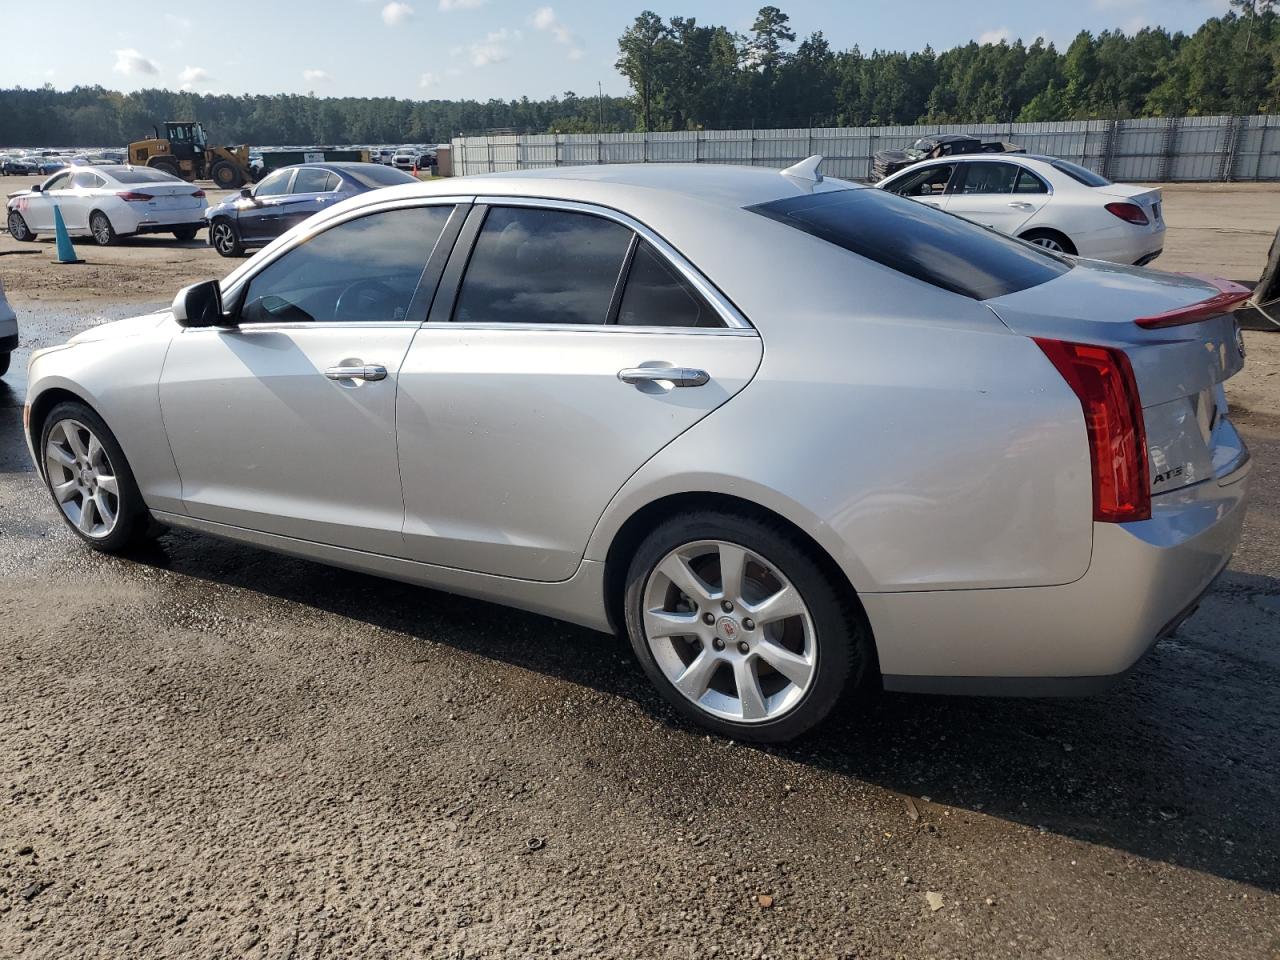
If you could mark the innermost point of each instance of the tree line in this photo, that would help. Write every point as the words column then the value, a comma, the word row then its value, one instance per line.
column 686, row 75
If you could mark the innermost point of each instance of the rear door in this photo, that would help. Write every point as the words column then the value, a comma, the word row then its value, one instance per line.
column 78, row 201
column 997, row 194
column 567, row 346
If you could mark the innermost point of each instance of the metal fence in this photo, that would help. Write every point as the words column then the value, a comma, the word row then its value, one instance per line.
column 1160, row 149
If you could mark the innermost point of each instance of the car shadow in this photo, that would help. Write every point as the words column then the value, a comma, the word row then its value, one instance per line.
column 1175, row 765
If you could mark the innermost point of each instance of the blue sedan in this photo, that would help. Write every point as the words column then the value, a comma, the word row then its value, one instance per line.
column 286, row 197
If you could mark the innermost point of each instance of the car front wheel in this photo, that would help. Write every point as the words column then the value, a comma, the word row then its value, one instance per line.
column 90, row 480
column 18, row 228
column 223, row 237
column 740, row 628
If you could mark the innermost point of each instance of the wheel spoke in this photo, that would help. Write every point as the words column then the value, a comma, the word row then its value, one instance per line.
column 696, row 678
column 793, row 666
column 86, row 515
column 109, row 484
column 783, row 604
column 732, row 561
column 65, row 491
column 95, row 449
column 678, row 571
column 76, row 442
column 749, row 693
column 105, row 511
column 663, row 623
column 59, row 456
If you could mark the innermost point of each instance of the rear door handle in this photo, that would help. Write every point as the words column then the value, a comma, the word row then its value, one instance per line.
column 353, row 371
column 677, row 376
column 1020, row 204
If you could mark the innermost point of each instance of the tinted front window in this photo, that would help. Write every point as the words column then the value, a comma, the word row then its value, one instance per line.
column 274, row 185
column 920, row 241
column 926, row 182
column 542, row 266
column 658, row 296
column 361, row 270
column 1082, row 174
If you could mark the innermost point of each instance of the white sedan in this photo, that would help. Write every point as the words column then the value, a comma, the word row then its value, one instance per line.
column 109, row 202
column 1054, row 203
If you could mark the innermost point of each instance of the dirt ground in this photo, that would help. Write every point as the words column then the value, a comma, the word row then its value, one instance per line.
column 211, row 751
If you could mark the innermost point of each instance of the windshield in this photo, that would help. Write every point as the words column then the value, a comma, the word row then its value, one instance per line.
column 919, row 241
column 1081, row 174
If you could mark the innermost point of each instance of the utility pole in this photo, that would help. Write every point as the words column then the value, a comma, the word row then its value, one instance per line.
column 599, row 107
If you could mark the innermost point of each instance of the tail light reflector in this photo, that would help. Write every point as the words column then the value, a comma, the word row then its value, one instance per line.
column 1230, row 295
column 1129, row 213
column 1102, row 379
column 134, row 197
column 199, row 194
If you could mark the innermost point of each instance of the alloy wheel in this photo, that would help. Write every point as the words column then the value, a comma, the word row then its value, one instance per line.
column 730, row 631
column 1049, row 244
column 224, row 240
column 101, row 229
column 17, row 226
column 82, row 478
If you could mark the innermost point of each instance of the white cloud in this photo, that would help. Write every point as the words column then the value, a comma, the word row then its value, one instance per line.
column 492, row 49
column 394, row 14
column 998, row 35
column 315, row 76
column 447, row 5
column 191, row 77
column 131, row 62
column 545, row 19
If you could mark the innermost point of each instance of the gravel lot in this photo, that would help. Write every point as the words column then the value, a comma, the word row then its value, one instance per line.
column 211, row 751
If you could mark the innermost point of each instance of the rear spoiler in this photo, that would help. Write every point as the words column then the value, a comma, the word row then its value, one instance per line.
column 1229, row 296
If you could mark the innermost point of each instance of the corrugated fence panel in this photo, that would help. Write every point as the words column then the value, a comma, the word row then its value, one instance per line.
column 1149, row 149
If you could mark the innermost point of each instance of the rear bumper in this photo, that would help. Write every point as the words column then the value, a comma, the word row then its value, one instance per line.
column 1144, row 579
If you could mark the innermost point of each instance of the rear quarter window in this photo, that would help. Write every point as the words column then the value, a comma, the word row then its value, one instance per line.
column 919, row 241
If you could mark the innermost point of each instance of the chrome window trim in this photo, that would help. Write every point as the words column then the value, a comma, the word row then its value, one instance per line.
column 231, row 294
column 603, row 329
column 730, row 314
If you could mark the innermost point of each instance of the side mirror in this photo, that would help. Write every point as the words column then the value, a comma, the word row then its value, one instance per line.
column 37, row 188
column 246, row 192
column 199, row 305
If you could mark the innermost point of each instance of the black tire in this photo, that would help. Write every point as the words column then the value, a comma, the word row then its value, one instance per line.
column 5, row 359
column 225, row 238
column 100, row 228
column 1050, row 240
column 842, row 640
column 166, row 165
column 186, row 234
column 133, row 521
column 18, row 228
column 225, row 176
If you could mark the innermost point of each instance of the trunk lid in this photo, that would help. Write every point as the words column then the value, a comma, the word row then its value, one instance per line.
column 1180, row 370
column 1149, row 199
column 167, row 196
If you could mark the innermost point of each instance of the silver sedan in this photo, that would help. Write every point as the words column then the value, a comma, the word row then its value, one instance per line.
column 794, row 436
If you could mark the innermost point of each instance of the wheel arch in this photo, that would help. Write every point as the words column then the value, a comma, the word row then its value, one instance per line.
column 41, row 404
column 644, row 520
column 1062, row 235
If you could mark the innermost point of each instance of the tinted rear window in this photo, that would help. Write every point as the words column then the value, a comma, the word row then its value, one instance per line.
column 920, row 241
column 141, row 175
column 379, row 176
column 1082, row 174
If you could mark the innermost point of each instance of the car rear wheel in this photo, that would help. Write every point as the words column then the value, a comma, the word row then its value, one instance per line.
column 100, row 227
column 4, row 363
column 1050, row 240
column 186, row 233
column 18, row 228
column 739, row 628
column 90, row 481
column 226, row 176
column 225, row 239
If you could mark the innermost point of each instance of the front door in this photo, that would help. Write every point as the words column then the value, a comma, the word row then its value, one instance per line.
column 37, row 208
column 573, row 351
column 926, row 183
column 285, row 423
column 258, row 217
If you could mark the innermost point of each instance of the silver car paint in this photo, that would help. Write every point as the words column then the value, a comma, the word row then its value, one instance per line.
column 919, row 437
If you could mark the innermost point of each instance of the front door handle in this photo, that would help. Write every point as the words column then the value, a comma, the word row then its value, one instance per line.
column 357, row 371
column 677, row 376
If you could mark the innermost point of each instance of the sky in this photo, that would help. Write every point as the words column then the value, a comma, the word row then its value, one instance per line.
column 455, row 49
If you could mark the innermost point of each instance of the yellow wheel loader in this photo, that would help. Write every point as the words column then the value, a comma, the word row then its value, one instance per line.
column 185, row 152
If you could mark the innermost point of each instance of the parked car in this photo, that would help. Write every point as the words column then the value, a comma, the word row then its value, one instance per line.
column 789, row 433
column 1054, row 203
column 47, row 165
column 405, row 159
column 885, row 163
column 109, row 202
column 8, row 331
column 288, row 196
column 18, row 166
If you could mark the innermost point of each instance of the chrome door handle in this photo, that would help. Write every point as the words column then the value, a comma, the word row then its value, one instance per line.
column 677, row 376
column 1020, row 204
column 366, row 371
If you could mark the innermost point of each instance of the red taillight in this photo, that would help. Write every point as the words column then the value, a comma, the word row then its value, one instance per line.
column 199, row 193
column 1230, row 296
column 1129, row 213
column 131, row 196
column 1103, row 380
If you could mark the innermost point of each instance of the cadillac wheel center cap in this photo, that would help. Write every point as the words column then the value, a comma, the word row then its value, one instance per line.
column 728, row 629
